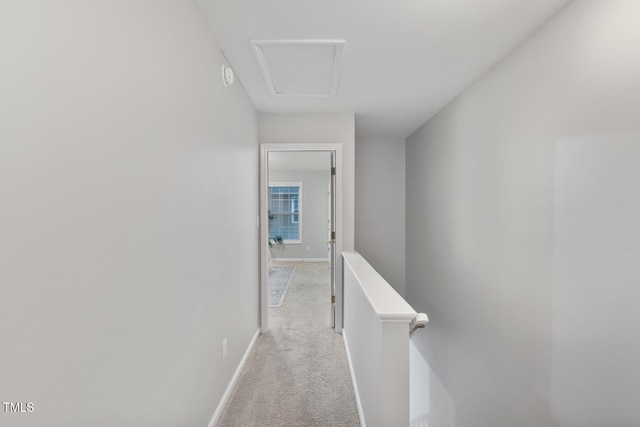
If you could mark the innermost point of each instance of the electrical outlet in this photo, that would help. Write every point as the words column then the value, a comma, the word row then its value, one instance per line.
column 224, row 348
column 308, row 247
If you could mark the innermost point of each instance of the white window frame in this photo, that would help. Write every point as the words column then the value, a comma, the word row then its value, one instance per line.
column 299, row 222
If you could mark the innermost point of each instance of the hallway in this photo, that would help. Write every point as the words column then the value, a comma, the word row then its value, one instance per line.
column 297, row 374
column 486, row 168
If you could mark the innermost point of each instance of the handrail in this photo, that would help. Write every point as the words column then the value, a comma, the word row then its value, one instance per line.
column 386, row 301
column 378, row 323
column 419, row 322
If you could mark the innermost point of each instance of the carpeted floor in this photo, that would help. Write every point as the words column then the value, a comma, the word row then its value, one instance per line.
column 297, row 374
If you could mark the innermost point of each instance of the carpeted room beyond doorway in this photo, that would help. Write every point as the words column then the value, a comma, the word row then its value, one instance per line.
column 279, row 281
column 297, row 374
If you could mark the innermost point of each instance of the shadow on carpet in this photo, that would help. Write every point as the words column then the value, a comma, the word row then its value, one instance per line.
column 279, row 280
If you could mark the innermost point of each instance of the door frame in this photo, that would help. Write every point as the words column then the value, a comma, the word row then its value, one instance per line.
column 337, row 307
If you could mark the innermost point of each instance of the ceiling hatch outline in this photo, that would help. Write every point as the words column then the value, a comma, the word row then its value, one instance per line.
column 309, row 68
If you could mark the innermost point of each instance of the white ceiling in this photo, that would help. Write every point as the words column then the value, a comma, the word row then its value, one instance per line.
column 403, row 60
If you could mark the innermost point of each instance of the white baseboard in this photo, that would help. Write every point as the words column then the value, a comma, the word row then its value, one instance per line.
column 234, row 380
column 353, row 380
column 301, row 259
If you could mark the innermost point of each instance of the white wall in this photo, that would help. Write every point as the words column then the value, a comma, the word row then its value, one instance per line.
column 122, row 257
column 315, row 214
column 525, row 329
column 318, row 129
column 380, row 207
column 377, row 322
column 596, row 246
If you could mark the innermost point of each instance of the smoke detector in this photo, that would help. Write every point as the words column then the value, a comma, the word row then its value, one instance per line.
column 228, row 76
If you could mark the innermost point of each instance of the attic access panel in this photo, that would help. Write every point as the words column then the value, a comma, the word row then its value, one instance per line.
column 300, row 68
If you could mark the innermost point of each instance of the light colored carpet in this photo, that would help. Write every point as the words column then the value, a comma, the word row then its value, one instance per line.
column 297, row 374
column 279, row 280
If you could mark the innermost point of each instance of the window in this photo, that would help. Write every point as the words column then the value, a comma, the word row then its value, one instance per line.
column 284, row 211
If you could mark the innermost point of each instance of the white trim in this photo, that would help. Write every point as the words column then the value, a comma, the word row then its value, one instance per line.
column 234, row 380
column 353, row 380
column 264, row 224
column 298, row 184
column 291, row 242
column 301, row 259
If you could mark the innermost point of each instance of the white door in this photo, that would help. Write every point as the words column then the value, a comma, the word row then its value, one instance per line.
column 333, row 225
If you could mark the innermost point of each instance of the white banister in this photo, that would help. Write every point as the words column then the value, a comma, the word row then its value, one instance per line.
column 420, row 321
column 377, row 326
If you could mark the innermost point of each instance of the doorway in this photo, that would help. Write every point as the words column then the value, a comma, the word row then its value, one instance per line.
column 296, row 210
